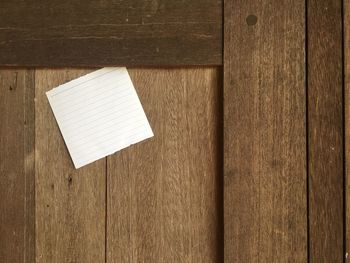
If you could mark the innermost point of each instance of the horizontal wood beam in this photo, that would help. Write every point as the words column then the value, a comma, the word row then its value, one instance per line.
column 102, row 33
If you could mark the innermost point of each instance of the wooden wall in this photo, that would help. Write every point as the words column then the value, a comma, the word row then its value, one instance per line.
column 250, row 159
column 159, row 200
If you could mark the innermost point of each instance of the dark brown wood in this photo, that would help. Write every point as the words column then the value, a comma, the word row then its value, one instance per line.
column 346, row 43
column 164, row 194
column 17, row 225
column 265, row 201
column 325, row 110
column 102, row 32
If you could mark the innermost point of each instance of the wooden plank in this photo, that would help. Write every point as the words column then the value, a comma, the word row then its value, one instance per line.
column 265, row 201
column 325, row 110
column 70, row 204
column 101, row 32
column 164, row 193
column 17, row 166
column 346, row 31
column 29, row 166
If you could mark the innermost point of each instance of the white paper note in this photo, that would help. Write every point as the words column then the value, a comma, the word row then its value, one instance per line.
column 99, row 114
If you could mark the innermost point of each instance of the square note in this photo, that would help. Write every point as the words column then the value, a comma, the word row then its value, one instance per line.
column 99, row 114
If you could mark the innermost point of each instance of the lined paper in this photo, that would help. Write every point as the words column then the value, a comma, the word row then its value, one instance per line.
column 99, row 114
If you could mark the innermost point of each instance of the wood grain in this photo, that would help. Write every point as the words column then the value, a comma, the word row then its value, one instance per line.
column 346, row 44
column 164, row 193
column 325, row 114
column 17, row 166
column 102, row 32
column 70, row 204
column 265, row 201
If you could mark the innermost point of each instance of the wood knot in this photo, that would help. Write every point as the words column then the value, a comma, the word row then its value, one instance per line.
column 70, row 180
column 251, row 20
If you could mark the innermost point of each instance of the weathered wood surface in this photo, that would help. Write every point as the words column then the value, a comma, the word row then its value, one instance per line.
column 346, row 46
column 17, row 166
column 70, row 204
column 325, row 122
column 265, row 198
column 161, row 200
column 102, row 32
column 164, row 194
column 169, row 188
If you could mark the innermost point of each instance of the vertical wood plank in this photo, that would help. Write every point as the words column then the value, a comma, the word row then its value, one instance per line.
column 265, row 202
column 325, row 110
column 29, row 167
column 70, row 204
column 346, row 44
column 17, row 166
column 164, row 193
